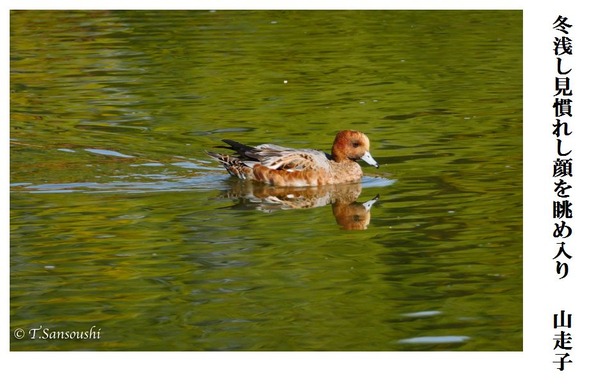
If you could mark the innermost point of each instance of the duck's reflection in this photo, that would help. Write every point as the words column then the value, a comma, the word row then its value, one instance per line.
column 348, row 212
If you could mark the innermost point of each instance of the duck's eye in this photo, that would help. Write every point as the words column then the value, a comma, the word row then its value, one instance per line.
column 355, row 144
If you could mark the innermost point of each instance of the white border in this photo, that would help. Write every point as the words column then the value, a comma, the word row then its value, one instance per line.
column 470, row 370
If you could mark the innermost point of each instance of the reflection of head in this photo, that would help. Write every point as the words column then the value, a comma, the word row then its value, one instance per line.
column 353, row 216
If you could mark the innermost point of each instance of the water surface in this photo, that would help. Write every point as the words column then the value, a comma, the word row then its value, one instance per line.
column 120, row 221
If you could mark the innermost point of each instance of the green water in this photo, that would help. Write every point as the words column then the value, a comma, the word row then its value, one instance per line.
column 120, row 221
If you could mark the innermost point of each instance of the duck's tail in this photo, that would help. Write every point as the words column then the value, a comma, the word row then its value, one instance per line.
column 234, row 165
column 243, row 151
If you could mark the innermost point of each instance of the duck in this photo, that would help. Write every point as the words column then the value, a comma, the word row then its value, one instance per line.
column 287, row 167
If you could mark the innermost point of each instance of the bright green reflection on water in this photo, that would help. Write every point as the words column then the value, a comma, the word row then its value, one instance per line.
column 120, row 221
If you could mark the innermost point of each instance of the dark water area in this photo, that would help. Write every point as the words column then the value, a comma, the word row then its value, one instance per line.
column 121, row 223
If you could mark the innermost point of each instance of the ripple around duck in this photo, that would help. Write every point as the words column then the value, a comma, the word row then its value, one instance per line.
column 376, row 181
column 209, row 178
column 146, row 183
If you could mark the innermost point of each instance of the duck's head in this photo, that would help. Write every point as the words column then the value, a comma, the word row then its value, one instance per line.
column 352, row 145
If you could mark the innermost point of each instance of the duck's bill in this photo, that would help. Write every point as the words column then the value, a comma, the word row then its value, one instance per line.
column 369, row 159
column 368, row 204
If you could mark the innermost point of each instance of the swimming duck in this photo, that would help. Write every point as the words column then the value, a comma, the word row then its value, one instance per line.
column 287, row 167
